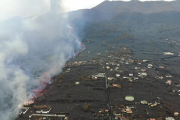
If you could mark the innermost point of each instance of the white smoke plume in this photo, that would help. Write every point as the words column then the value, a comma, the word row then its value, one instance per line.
column 28, row 48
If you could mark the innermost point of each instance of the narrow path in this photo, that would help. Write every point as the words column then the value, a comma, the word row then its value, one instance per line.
column 107, row 92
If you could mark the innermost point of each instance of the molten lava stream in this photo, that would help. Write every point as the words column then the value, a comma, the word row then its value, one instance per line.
column 39, row 92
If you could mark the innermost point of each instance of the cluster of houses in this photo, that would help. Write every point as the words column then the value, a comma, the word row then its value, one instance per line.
column 141, row 73
column 119, row 112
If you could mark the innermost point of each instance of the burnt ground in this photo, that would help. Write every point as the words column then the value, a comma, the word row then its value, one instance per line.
column 65, row 97
column 124, row 46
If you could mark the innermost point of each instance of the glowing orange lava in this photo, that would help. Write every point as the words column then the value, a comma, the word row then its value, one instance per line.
column 39, row 92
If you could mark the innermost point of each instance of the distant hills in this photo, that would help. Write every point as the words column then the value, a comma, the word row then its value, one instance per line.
column 116, row 7
column 108, row 10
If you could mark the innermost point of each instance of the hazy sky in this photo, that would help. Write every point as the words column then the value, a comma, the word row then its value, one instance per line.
column 26, row 8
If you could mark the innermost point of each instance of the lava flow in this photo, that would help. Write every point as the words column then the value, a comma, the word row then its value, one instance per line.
column 39, row 91
column 80, row 43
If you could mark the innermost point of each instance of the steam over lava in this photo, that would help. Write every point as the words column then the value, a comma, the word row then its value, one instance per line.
column 28, row 48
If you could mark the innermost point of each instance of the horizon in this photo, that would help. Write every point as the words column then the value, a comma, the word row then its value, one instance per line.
column 10, row 9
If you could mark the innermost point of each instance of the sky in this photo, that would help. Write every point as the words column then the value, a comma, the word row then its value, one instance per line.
column 27, row 8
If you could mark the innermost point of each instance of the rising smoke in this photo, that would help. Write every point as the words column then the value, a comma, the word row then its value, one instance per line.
column 28, row 48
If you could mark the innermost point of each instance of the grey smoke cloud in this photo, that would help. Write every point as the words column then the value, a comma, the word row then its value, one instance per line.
column 25, row 8
column 28, row 48
column 13, row 79
column 55, row 6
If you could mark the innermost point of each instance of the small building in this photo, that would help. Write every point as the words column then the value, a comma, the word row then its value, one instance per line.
column 68, row 70
column 142, row 75
column 77, row 83
column 128, row 109
column 125, row 77
column 176, row 113
column 168, row 76
column 107, row 67
column 136, row 78
column 149, row 66
column 118, row 75
column 100, row 75
column 161, row 67
column 169, row 118
column 168, row 53
column 116, row 68
column 94, row 77
column 130, row 74
column 144, row 102
column 116, row 85
column 145, row 60
column 136, row 68
column 110, row 78
column 168, row 82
